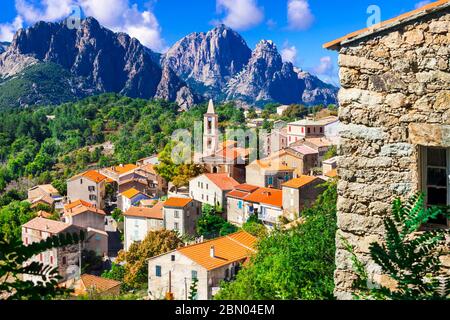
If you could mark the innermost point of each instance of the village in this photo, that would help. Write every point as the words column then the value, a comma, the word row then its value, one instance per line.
column 298, row 160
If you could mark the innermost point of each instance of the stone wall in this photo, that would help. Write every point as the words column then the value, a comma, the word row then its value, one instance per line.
column 395, row 97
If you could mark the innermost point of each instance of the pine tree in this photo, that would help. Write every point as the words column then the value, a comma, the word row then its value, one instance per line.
column 409, row 256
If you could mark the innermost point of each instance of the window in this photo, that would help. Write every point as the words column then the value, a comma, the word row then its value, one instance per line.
column 91, row 188
column 240, row 203
column 172, row 257
column 26, row 240
column 51, row 259
column 194, row 274
column 303, row 129
column 290, row 128
column 158, row 271
column 270, row 180
column 92, row 197
column 227, row 274
column 40, row 257
column 177, row 214
column 81, row 181
column 321, row 130
column 207, row 198
column 64, row 261
column 436, row 178
column 176, row 226
column 207, row 184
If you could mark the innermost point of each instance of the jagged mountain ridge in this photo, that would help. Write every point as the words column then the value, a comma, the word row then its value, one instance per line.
column 217, row 64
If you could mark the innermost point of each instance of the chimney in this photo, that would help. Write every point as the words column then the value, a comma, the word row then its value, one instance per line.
column 212, row 252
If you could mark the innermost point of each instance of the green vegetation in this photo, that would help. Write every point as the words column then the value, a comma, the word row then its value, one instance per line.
column 136, row 268
column 409, row 257
column 211, row 224
column 293, row 264
column 13, row 255
column 42, row 83
column 12, row 217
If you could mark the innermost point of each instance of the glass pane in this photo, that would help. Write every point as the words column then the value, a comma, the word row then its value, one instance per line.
column 437, row 177
column 437, row 196
column 437, row 157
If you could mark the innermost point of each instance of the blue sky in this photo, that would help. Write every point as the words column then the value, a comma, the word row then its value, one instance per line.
column 298, row 27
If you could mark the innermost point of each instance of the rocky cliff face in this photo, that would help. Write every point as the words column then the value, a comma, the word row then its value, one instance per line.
column 207, row 61
column 110, row 62
column 217, row 64
column 4, row 46
column 268, row 78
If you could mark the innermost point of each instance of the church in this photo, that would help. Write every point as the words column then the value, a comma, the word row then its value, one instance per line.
column 222, row 156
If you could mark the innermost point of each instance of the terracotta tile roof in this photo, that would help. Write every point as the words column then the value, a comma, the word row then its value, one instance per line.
column 94, row 176
column 319, row 142
column 74, row 211
column 177, row 202
column 271, row 165
column 269, row 196
column 98, row 283
column 46, row 225
column 434, row 6
column 47, row 188
column 155, row 212
column 246, row 187
column 237, row 194
column 222, row 181
column 44, row 214
column 131, row 193
column 332, row 173
column 305, row 150
column 297, row 183
column 122, row 169
column 42, row 199
column 228, row 249
column 149, row 168
column 77, row 203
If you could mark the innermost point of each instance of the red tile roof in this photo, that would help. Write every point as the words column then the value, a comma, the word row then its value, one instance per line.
column 269, row 196
column 77, row 203
column 222, row 180
column 246, row 187
column 388, row 23
column 228, row 249
column 130, row 193
column 177, row 202
column 297, row 183
column 155, row 212
column 74, row 211
column 100, row 284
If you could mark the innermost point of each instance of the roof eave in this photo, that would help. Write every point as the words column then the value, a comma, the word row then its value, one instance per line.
column 383, row 26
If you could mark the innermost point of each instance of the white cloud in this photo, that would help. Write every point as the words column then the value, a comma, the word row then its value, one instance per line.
column 300, row 16
column 422, row 3
column 117, row 15
column 7, row 30
column 289, row 54
column 240, row 14
column 326, row 67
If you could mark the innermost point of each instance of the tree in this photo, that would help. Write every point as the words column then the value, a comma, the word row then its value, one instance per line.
column 292, row 264
column 14, row 254
column 211, row 225
column 117, row 215
column 117, row 273
column 409, row 256
column 135, row 259
column 294, row 112
column 12, row 217
column 332, row 152
column 255, row 227
column 185, row 172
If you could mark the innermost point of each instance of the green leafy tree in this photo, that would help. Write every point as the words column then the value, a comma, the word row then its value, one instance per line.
column 292, row 264
column 14, row 254
column 117, row 272
column 409, row 256
column 255, row 227
column 135, row 259
column 332, row 152
column 12, row 217
column 117, row 215
column 211, row 224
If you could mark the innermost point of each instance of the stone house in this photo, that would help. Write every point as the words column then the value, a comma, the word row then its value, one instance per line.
column 329, row 165
column 211, row 188
column 300, row 193
column 209, row 262
column 237, row 211
column 90, row 284
column 395, row 135
column 89, row 186
column 301, row 158
column 153, row 160
column 122, row 172
column 181, row 215
column 45, row 194
column 139, row 221
column 268, row 173
column 65, row 259
column 155, row 185
column 84, row 215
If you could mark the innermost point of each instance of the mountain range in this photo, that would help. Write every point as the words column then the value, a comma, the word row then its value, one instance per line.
column 49, row 63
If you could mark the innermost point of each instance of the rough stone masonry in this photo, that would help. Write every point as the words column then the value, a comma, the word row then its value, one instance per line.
column 395, row 97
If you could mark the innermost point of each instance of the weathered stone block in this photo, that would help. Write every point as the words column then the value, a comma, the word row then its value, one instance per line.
column 352, row 131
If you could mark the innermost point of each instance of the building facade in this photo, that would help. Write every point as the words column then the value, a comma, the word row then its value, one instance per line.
column 181, row 215
column 89, row 186
column 395, row 138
